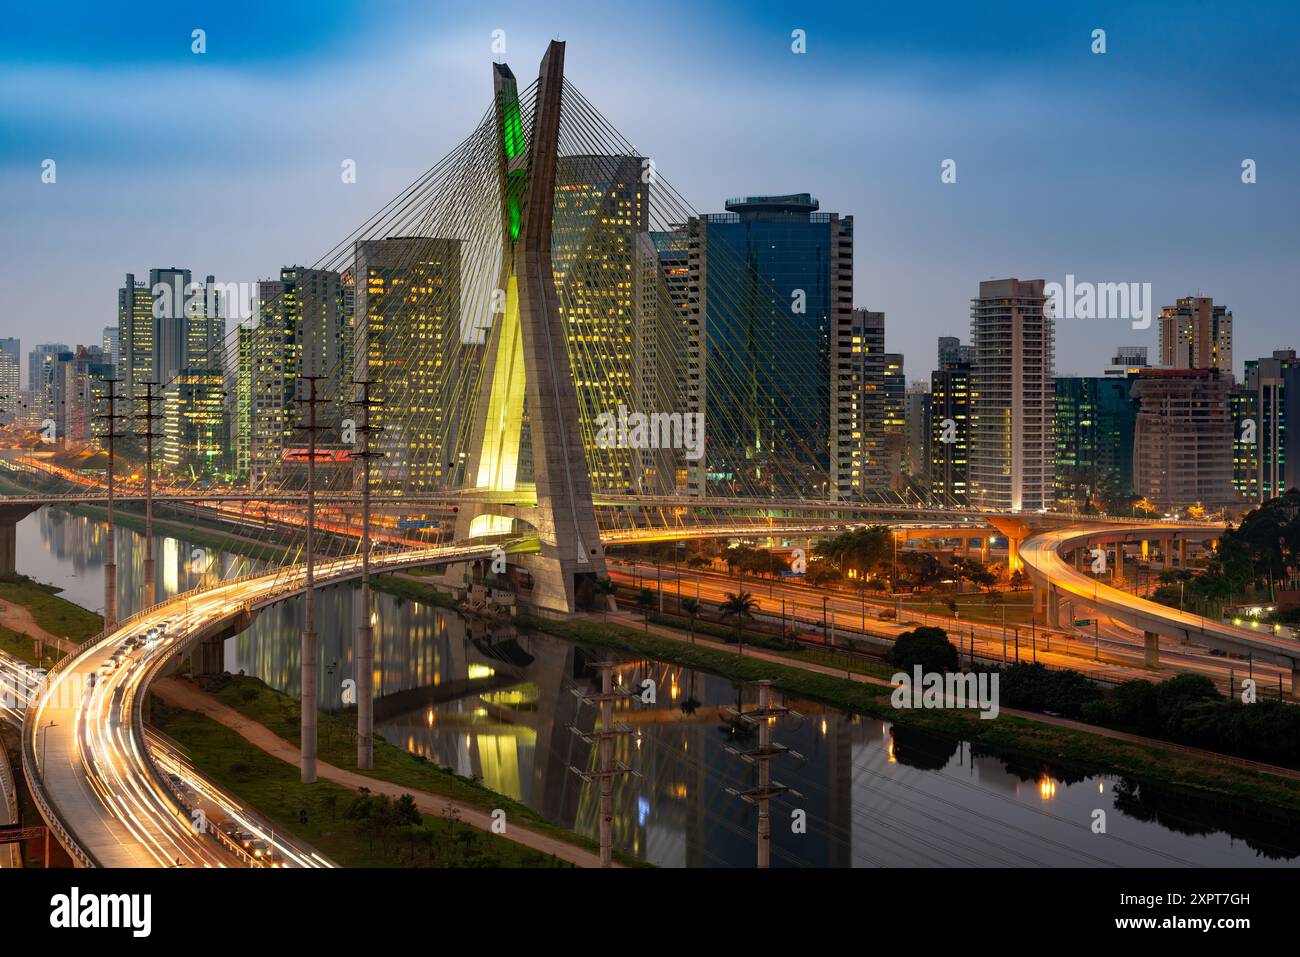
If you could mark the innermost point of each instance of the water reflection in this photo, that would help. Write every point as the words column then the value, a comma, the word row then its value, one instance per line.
column 500, row 706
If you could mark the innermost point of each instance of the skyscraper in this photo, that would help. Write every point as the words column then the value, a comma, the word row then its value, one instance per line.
column 774, row 270
column 1196, row 334
column 1012, row 448
column 917, row 414
column 42, row 378
column 10, row 378
column 1095, row 422
column 600, row 249
column 1183, row 442
column 302, row 328
column 1274, row 383
column 408, row 318
column 894, row 421
column 951, row 416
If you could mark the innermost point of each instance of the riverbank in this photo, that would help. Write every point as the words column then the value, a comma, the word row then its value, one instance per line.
column 194, row 531
column 353, row 829
column 279, row 715
column 1023, row 735
column 861, row 685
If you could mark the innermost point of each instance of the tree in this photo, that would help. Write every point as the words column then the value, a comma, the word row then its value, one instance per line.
column 605, row 588
column 645, row 600
column 739, row 606
column 692, row 608
column 926, row 646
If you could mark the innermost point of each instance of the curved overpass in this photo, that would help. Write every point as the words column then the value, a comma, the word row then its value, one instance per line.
column 85, row 752
column 1055, row 577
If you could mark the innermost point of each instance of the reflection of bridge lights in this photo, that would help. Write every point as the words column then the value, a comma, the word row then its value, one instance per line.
column 428, row 717
column 892, row 759
column 642, row 810
column 1046, row 788
column 672, row 690
column 823, row 727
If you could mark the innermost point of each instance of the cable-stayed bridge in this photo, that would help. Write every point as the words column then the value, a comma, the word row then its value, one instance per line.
column 504, row 313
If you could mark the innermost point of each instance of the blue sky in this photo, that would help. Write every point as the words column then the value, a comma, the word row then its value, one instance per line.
column 1123, row 166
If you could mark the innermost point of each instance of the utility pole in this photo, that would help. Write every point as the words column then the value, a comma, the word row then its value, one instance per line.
column 110, row 569
column 609, row 768
column 762, row 717
column 364, row 651
column 310, row 647
column 149, row 417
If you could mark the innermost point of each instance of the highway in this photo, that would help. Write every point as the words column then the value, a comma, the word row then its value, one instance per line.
column 1113, row 653
column 84, row 743
column 1049, row 569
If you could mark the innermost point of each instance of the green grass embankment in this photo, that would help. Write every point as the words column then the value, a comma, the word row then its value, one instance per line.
column 337, row 746
column 56, row 615
column 1007, row 735
column 318, row 813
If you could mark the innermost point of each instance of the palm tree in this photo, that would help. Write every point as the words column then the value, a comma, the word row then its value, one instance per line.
column 605, row 588
column 692, row 608
column 740, row 606
column 645, row 600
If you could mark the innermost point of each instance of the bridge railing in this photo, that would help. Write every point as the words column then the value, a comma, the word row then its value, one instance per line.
column 32, row 770
column 7, row 789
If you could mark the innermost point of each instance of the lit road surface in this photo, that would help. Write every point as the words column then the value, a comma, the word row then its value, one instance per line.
column 1121, row 649
column 92, row 764
column 1046, row 565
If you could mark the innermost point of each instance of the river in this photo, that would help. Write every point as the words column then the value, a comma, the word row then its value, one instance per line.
column 501, row 705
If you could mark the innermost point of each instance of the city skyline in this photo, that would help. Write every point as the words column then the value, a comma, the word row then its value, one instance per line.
column 854, row 478
column 923, row 244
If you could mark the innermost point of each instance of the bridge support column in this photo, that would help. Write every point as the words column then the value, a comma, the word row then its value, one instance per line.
column 1151, row 649
column 208, row 657
column 1146, row 550
column 1053, row 608
column 10, row 516
column 1166, row 554
column 1182, row 553
column 1295, row 679
column 984, row 549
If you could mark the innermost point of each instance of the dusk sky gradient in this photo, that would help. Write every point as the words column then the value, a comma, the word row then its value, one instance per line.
column 1117, row 167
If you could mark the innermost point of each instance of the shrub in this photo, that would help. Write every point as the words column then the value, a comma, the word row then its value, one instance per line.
column 928, row 647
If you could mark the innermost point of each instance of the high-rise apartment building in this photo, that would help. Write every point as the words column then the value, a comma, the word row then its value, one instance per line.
column 1183, row 441
column 953, row 351
column 1012, row 445
column 1196, row 334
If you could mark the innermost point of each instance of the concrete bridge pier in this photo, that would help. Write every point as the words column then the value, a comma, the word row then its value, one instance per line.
column 207, row 653
column 1053, row 608
column 1151, row 649
column 10, row 516
column 1295, row 678
column 1166, row 554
